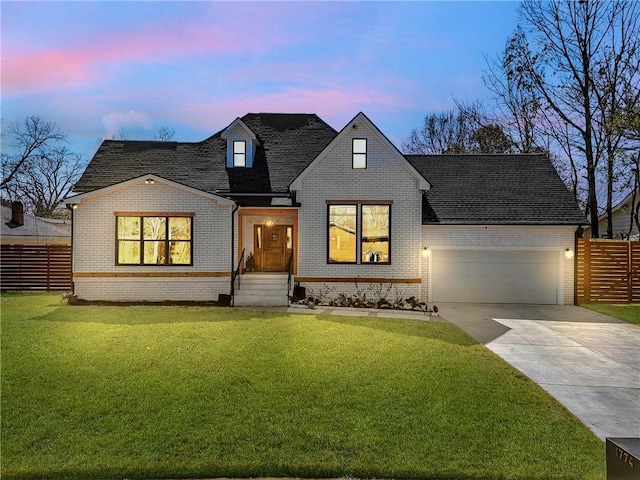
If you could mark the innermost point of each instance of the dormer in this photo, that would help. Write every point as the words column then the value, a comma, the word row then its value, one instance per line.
column 241, row 145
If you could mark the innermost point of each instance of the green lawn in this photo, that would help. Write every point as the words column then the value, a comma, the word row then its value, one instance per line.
column 629, row 312
column 177, row 392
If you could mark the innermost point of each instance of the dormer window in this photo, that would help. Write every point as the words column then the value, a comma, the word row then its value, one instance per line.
column 241, row 145
column 239, row 153
column 359, row 152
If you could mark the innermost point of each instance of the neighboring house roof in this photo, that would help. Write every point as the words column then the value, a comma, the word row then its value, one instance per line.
column 287, row 144
column 621, row 218
column 35, row 231
column 495, row 189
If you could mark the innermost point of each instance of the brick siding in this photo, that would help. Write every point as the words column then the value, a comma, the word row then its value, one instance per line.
column 94, row 246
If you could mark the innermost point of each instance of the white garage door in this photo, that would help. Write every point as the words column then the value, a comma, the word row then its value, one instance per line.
column 490, row 276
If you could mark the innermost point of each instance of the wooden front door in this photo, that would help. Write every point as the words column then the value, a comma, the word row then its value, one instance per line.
column 272, row 247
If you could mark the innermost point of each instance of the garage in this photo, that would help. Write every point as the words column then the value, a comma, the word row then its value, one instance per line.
column 494, row 276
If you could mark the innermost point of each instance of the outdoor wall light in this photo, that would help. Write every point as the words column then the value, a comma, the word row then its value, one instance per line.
column 426, row 251
column 74, row 206
column 149, row 181
column 568, row 253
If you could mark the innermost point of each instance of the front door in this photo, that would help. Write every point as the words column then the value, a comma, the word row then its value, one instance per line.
column 272, row 247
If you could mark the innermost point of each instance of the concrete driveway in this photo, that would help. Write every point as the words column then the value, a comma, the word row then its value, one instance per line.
column 588, row 361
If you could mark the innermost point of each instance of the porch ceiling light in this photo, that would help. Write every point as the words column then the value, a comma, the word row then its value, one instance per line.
column 269, row 222
column 568, row 253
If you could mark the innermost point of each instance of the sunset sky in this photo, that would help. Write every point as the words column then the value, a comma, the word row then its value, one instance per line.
column 98, row 68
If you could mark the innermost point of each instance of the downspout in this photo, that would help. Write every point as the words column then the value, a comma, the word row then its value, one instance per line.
column 233, row 263
column 578, row 234
column 72, row 285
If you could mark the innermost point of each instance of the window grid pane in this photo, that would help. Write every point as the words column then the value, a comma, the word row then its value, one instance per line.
column 359, row 153
column 239, row 153
column 342, row 233
column 151, row 245
column 375, row 234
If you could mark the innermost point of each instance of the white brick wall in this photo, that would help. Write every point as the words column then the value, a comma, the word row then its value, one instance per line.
column 94, row 246
column 557, row 238
column 384, row 179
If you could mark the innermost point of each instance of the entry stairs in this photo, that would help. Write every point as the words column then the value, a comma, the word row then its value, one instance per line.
column 262, row 290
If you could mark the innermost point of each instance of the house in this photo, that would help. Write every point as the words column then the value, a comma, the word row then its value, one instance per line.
column 158, row 221
column 623, row 226
column 35, row 253
column 20, row 229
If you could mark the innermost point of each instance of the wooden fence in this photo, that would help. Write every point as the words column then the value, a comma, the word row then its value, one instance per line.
column 35, row 267
column 608, row 271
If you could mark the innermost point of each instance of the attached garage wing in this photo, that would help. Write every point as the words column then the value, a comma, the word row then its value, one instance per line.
column 494, row 276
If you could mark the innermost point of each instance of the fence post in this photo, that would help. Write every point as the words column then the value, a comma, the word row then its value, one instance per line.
column 587, row 270
column 629, row 273
column 48, row 249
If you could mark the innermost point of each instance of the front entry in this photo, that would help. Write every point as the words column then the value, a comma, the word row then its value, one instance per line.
column 272, row 247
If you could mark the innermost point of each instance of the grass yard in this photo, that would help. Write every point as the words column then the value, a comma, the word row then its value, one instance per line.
column 92, row 392
column 629, row 312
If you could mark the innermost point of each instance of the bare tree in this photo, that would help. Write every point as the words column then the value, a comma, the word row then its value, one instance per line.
column 465, row 130
column 617, row 89
column 517, row 106
column 47, row 170
column 441, row 133
column 164, row 134
column 561, row 48
column 29, row 139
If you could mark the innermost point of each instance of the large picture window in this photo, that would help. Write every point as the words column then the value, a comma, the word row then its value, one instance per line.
column 153, row 240
column 359, row 233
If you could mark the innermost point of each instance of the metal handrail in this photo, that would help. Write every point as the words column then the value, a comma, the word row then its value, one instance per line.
column 289, row 278
column 236, row 274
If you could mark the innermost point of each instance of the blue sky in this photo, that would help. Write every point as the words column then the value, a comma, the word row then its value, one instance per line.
column 97, row 68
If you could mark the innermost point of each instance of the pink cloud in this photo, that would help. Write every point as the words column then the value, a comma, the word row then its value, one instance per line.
column 52, row 69
column 334, row 105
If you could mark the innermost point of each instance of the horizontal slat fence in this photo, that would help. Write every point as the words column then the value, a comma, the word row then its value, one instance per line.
column 35, row 267
column 608, row 271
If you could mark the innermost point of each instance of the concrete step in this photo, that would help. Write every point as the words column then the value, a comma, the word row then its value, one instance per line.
column 264, row 290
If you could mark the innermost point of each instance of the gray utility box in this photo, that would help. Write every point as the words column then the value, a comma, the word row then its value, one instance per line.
column 623, row 458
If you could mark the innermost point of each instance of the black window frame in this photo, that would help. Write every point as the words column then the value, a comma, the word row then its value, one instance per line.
column 359, row 228
column 364, row 154
column 167, row 241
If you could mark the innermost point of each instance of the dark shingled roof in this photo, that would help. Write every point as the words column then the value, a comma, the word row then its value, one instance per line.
column 288, row 143
column 495, row 189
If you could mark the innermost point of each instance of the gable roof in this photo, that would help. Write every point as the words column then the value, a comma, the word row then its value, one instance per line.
column 495, row 189
column 423, row 184
column 287, row 144
column 237, row 122
column 147, row 178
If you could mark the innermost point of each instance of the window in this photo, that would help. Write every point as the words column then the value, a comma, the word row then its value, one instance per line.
column 153, row 240
column 342, row 233
column 375, row 234
column 359, row 153
column 366, row 225
column 239, row 153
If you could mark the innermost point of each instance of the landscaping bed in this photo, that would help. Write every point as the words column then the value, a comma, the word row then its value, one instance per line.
column 94, row 392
